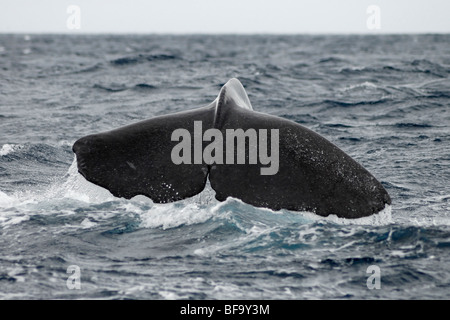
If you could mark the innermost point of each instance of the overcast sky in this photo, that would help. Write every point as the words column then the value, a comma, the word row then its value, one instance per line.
column 225, row 16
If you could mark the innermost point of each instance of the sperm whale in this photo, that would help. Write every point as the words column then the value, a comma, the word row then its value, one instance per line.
column 264, row 160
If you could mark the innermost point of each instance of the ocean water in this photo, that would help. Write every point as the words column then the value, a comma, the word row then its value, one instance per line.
column 384, row 100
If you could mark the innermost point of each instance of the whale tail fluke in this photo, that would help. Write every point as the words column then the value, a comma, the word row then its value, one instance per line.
column 261, row 159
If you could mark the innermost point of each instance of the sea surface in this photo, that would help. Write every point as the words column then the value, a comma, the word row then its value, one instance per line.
column 383, row 99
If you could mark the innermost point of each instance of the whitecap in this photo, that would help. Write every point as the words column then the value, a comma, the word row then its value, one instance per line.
column 9, row 148
column 172, row 215
column 364, row 85
column 384, row 217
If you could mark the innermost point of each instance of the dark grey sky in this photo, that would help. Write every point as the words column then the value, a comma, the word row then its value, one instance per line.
column 225, row 16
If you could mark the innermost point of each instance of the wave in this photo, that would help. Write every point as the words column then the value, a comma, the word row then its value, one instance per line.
column 33, row 154
column 412, row 125
column 141, row 58
column 110, row 88
column 94, row 68
column 9, row 148
column 365, row 88
column 422, row 66
column 121, row 87
column 346, row 104
column 144, row 86
column 72, row 194
column 332, row 60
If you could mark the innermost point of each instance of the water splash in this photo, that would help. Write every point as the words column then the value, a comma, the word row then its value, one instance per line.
column 9, row 148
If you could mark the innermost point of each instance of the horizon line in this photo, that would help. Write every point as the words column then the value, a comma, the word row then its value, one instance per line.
column 374, row 33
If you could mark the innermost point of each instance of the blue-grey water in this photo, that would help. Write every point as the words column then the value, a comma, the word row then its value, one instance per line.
column 384, row 100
